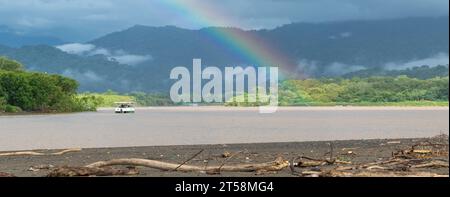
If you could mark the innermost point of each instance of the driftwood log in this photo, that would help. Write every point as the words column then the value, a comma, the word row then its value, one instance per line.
column 277, row 165
column 381, row 173
column 32, row 153
column 91, row 171
column 103, row 168
column 311, row 162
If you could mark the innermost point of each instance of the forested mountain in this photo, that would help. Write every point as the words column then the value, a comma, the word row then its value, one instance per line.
column 94, row 73
column 141, row 57
column 316, row 49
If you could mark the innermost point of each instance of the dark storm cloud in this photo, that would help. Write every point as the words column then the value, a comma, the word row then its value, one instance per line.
column 87, row 18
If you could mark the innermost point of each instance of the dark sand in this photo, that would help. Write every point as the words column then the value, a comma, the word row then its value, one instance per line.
column 365, row 151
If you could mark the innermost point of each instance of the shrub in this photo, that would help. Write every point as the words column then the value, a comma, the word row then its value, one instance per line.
column 2, row 104
column 31, row 91
column 10, row 65
column 12, row 109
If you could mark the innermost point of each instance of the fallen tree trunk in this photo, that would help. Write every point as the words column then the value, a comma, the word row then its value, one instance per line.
column 380, row 174
column 91, row 171
column 277, row 165
column 25, row 153
column 311, row 162
column 32, row 153
column 433, row 164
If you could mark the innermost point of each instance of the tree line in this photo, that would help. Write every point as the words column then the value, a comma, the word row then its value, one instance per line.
column 420, row 72
column 400, row 90
column 41, row 92
column 364, row 90
column 38, row 92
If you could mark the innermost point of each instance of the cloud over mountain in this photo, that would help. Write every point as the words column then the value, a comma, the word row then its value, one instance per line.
column 120, row 56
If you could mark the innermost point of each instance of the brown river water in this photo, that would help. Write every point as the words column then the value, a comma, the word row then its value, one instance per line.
column 217, row 125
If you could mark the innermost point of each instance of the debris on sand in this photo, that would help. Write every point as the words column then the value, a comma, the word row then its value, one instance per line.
column 4, row 174
column 67, row 171
column 412, row 157
column 40, row 167
column 428, row 154
column 102, row 168
column 425, row 149
column 226, row 154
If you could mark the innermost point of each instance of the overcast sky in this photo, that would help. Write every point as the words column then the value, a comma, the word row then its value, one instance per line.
column 87, row 19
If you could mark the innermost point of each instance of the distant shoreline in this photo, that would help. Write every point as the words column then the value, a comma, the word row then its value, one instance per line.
column 241, row 108
column 284, row 108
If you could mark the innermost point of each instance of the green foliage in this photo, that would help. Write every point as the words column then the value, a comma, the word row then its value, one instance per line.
column 422, row 72
column 107, row 99
column 110, row 92
column 12, row 109
column 371, row 90
column 88, row 103
column 2, row 103
column 39, row 92
column 244, row 100
column 152, row 99
column 10, row 65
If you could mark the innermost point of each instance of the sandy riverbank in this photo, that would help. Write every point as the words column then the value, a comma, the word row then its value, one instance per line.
column 362, row 151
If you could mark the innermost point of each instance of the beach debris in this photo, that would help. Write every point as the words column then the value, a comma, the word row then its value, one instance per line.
column 311, row 173
column 309, row 162
column 25, row 153
column 334, row 173
column 191, row 158
column 305, row 162
column 264, row 172
column 428, row 154
column 376, row 168
column 394, row 142
column 226, row 154
column 40, row 167
column 32, row 153
column 68, row 171
column 4, row 174
column 276, row 165
column 344, row 168
column 350, row 149
column 432, row 164
column 416, row 160
column 351, row 153
column 425, row 149
column 103, row 168
column 393, row 167
column 218, row 170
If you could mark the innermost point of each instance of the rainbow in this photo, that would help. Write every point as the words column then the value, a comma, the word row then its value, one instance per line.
column 254, row 49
